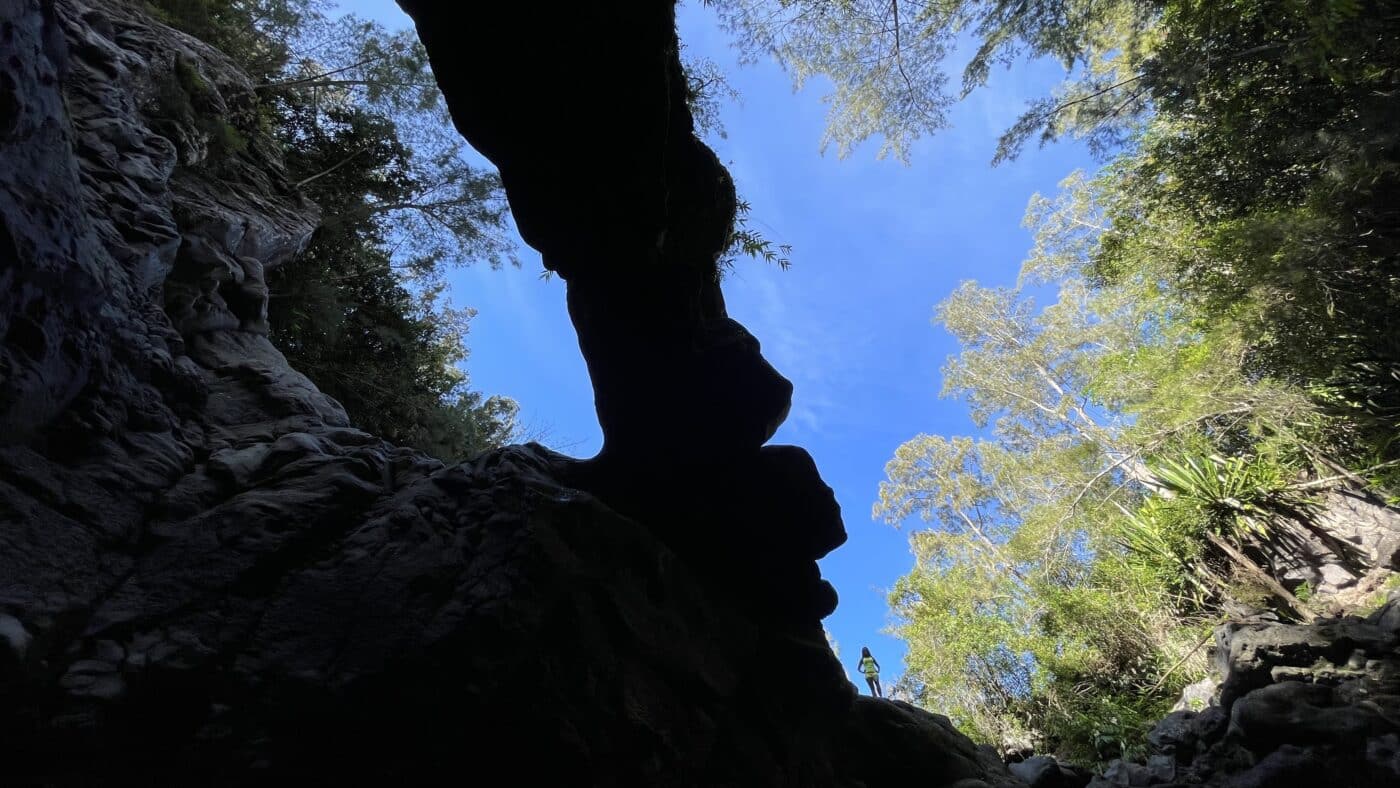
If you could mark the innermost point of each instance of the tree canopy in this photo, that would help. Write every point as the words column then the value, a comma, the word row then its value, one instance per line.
column 1218, row 348
column 887, row 60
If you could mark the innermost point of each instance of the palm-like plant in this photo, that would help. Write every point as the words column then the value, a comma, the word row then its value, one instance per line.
column 1221, row 502
column 1240, row 495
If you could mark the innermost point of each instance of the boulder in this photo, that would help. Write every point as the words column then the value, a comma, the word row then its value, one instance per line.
column 1043, row 771
column 1300, row 703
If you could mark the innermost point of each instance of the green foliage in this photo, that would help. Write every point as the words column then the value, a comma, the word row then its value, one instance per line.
column 1221, row 344
column 185, row 102
column 1219, row 335
column 745, row 240
column 1132, row 464
column 1235, row 495
column 355, row 115
column 707, row 87
column 343, row 316
column 1304, row 592
column 173, row 99
column 255, row 33
column 1275, row 149
column 1026, row 614
column 226, row 139
column 886, row 60
column 1164, row 543
column 1382, row 595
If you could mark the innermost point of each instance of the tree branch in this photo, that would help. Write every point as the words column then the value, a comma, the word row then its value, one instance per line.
column 328, row 170
column 316, row 77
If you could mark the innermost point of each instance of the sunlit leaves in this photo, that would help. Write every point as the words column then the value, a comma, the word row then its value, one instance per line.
column 887, row 62
column 1023, row 577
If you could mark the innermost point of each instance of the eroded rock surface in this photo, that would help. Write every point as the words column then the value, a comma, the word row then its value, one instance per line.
column 208, row 577
column 1298, row 704
column 1341, row 547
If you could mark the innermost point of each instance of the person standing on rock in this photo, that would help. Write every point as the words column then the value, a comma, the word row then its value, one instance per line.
column 871, row 668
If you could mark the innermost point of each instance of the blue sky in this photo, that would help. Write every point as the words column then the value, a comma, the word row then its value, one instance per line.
column 875, row 245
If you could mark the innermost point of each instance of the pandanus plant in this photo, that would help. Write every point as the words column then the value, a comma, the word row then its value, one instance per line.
column 1225, row 503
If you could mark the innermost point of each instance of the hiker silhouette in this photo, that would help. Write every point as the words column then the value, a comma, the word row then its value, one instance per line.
column 871, row 668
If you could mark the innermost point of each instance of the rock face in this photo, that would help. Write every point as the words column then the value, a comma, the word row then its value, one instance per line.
column 1344, row 543
column 607, row 179
column 208, row 577
column 1299, row 704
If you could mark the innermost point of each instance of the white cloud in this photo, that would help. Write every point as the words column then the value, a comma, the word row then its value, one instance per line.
column 799, row 342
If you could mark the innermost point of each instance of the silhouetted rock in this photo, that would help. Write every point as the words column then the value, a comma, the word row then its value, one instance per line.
column 208, row 577
column 584, row 112
column 632, row 210
column 895, row 743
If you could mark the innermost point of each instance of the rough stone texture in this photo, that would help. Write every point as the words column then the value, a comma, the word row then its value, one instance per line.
column 895, row 743
column 1344, row 538
column 358, row 629
column 208, row 577
column 1299, row 704
column 1250, row 655
column 1043, row 771
column 1197, row 695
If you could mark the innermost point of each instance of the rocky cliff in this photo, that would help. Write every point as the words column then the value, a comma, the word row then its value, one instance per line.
column 207, row 576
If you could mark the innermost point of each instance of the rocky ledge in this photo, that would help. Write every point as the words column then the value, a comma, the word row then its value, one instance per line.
column 344, row 614
column 1291, row 704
